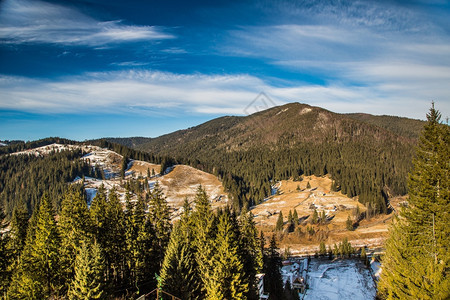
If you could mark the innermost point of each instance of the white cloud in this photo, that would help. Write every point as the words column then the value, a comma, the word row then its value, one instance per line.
column 137, row 92
column 373, row 57
column 25, row 21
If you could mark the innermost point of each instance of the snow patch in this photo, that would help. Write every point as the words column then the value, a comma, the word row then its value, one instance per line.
column 342, row 279
column 90, row 194
column 376, row 269
column 281, row 111
column 305, row 110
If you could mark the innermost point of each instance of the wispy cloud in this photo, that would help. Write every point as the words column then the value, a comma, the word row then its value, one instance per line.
column 25, row 21
column 369, row 53
column 137, row 92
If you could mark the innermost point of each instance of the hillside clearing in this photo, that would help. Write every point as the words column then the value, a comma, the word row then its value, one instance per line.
column 337, row 207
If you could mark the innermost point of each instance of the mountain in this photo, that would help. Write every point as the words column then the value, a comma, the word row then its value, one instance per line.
column 367, row 156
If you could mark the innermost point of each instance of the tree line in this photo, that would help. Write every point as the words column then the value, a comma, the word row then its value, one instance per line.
column 25, row 178
column 97, row 252
column 114, row 250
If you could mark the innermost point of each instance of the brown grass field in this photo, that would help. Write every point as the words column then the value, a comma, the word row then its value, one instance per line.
column 337, row 207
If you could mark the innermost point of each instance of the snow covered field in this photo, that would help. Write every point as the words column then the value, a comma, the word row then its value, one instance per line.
column 341, row 279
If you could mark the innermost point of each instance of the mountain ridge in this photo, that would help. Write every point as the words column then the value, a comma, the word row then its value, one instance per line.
column 232, row 123
column 369, row 158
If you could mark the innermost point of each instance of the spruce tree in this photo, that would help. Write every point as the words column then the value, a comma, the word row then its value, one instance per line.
column 228, row 280
column 5, row 257
column 330, row 253
column 315, row 217
column 88, row 282
column 38, row 273
column 322, row 249
column 251, row 251
column 349, row 224
column 179, row 271
column 18, row 231
column 280, row 222
column 323, row 217
column 159, row 216
column 140, row 238
column 12, row 244
column 123, row 167
column 74, row 225
column 204, row 234
column 290, row 222
column 363, row 255
column 417, row 258
column 272, row 268
column 295, row 217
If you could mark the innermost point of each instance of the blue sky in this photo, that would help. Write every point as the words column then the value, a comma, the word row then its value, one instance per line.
column 96, row 68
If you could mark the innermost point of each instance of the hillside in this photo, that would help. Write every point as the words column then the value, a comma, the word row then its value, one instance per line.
column 50, row 168
column 368, row 158
column 409, row 128
column 369, row 230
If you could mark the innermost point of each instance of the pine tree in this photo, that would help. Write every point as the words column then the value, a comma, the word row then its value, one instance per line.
column 322, row 249
column 290, row 222
column 179, row 271
column 251, row 251
column 204, row 234
column 88, row 282
column 364, row 255
column 12, row 244
column 140, row 247
column 115, row 244
column 272, row 268
column 130, row 235
column 37, row 275
column 280, row 222
column 5, row 257
column 330, row 253
column 124, row 166
column 18, row 231
column 315, row 217
column 295, row 217
column 228, row 281
column 335, row 250
column 323, row 217
column 417, row 258
column 349, row 224
column 159, row 216
column 74, row 225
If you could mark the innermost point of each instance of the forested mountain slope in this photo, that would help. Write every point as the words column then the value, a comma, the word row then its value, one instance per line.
column 402, row 126
column 369, row 158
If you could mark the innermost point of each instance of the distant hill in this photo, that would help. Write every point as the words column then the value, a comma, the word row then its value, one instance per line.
column 49, row 168
column 367, row 156
column 130, row 142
